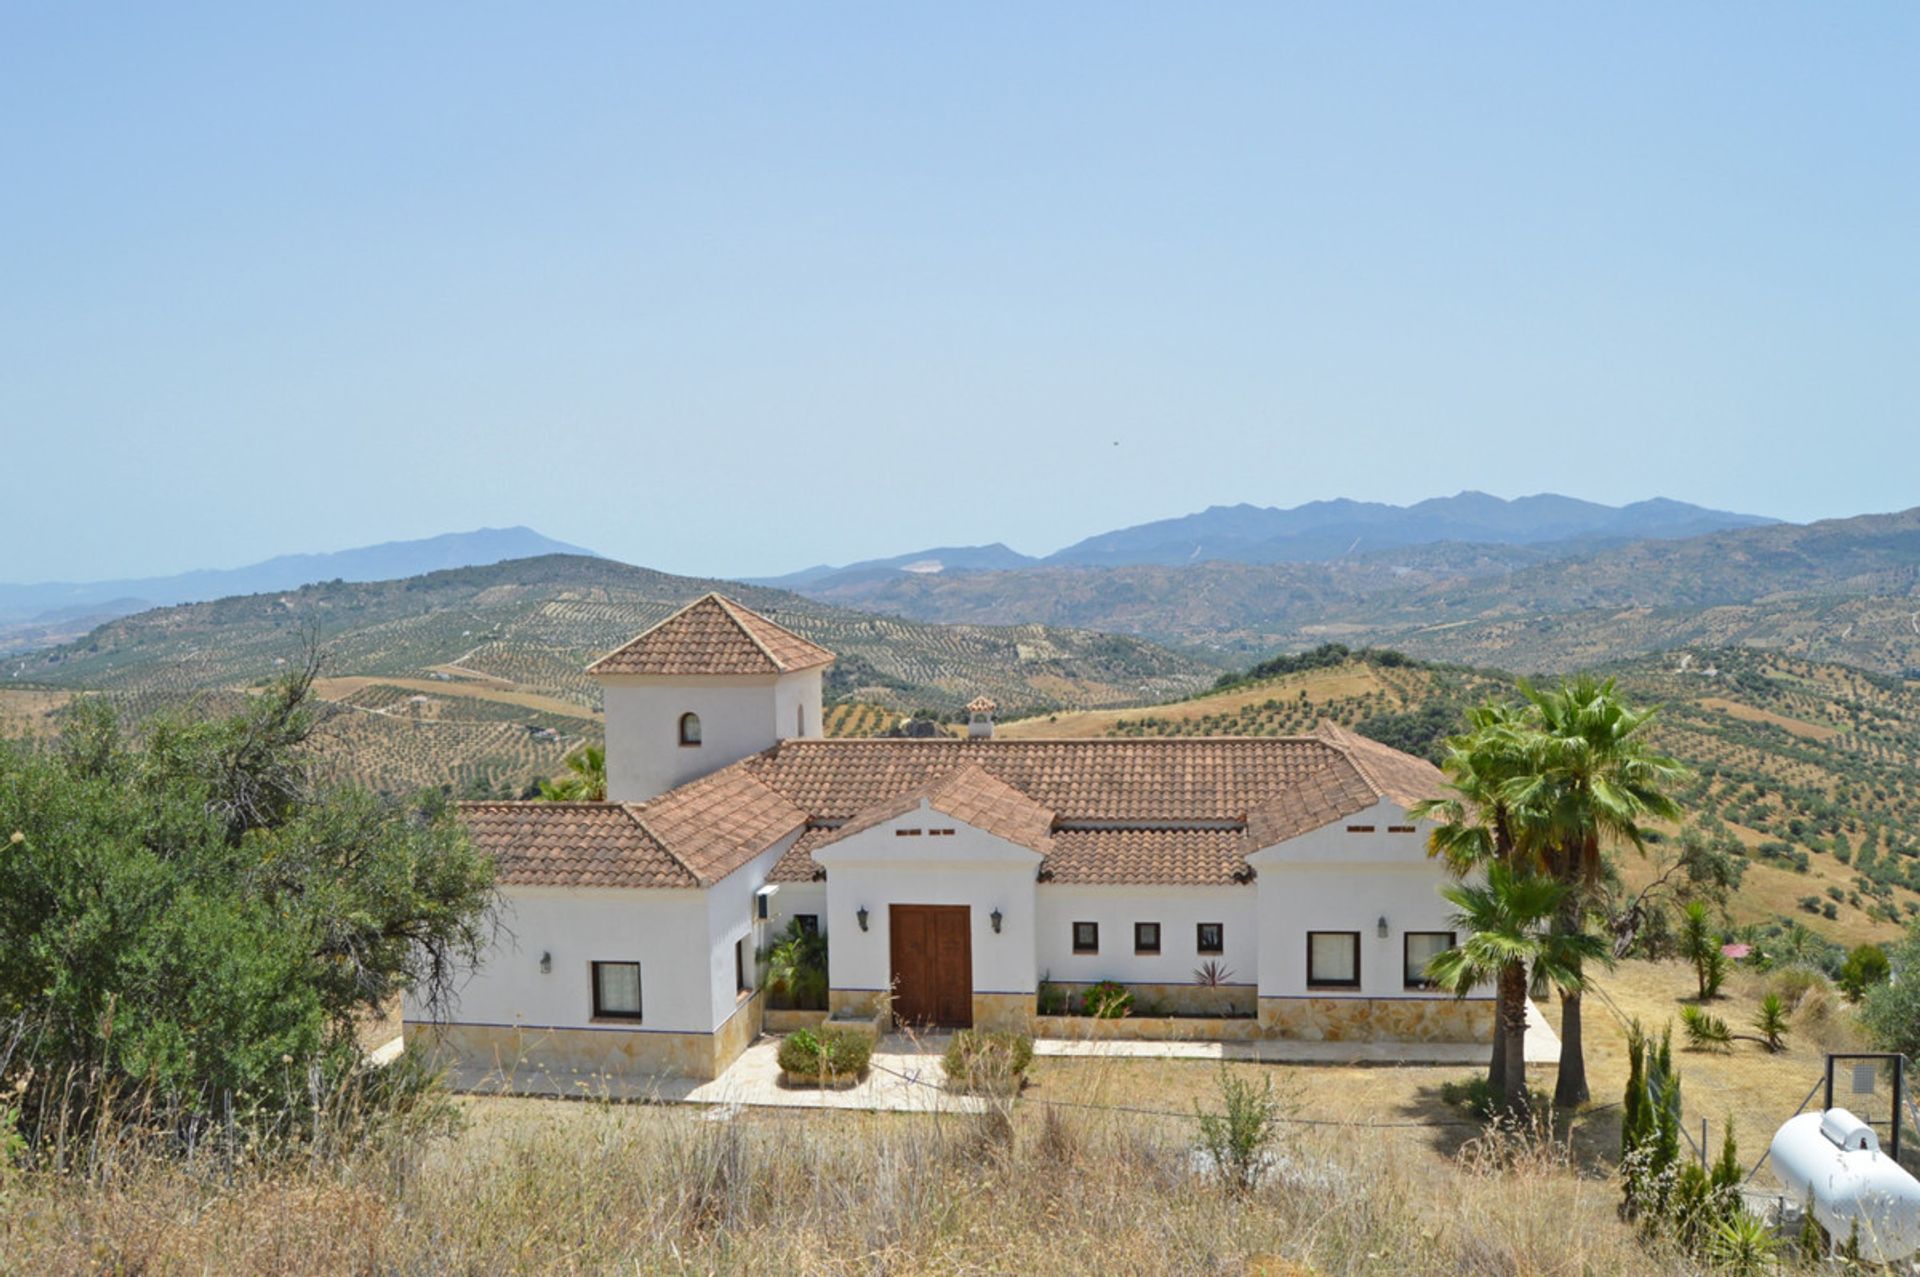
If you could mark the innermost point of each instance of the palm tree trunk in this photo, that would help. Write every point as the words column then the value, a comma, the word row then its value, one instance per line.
column 1497, row 1063
column 1513, row 1011
column 1570, row 1091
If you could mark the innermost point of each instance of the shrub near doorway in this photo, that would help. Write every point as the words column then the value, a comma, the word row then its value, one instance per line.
column 829, row 1057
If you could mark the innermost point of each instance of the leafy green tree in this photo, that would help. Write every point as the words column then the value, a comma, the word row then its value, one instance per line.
column 190, row 921
column 585, row 780
column 1865, row 967
column 1505, row 921
column 1891, row 1010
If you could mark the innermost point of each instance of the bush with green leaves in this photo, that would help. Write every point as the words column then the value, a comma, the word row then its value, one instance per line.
column 796, row 975
column 1235, row 1140
column 1891, row 1010
column 988, row 1061
column 192, row 926
column 1865, row 967
column 825, row 1055
column 1107, row 1000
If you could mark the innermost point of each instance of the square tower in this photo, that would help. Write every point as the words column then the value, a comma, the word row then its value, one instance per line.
column 706, row 687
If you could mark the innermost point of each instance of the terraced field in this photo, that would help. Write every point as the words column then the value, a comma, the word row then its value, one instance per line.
column 1812, row 770
column 472, row 678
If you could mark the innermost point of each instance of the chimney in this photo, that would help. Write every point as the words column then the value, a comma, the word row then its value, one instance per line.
column 980, row 718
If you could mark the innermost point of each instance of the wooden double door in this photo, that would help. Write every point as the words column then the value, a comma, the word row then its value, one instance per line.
column 932, row 964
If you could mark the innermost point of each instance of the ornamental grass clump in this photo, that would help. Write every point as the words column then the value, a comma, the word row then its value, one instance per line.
column 988, row 1061
column 827, row 1057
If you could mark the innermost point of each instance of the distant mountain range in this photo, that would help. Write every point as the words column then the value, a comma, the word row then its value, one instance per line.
column 45, row 614
column 1843, row 590
column 1316, row 532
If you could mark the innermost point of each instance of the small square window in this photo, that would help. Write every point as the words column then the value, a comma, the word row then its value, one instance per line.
column 1146, row 937
column 1421, row 948
column 616, row 991
column 1210, row 937
column 1333, row 959
column 1086, row 937
column 808, row 924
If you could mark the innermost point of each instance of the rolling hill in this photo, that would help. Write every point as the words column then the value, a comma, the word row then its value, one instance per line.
column 1811, row 769
column 1838, row 590
column 34, row 616
column 471, row 677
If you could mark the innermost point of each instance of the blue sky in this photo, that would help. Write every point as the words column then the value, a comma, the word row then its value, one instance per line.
column 737, row 289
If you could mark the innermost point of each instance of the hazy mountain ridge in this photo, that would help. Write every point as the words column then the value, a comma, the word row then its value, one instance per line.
column 1317, row 531
column 51, row 603
column 1840, row 589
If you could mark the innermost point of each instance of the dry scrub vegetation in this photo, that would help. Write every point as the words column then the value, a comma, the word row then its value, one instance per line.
column 550, row 1187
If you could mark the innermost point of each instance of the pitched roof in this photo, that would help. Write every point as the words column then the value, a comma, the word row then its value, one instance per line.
column 713, row 635
column 970, row 795
column 1161, row 811
column 1186, row 857
column 539, row 844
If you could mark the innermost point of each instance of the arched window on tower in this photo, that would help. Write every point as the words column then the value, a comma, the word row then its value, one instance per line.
column 689, row 729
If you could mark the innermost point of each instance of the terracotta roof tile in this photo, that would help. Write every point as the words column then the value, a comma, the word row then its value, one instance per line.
column 718, row 823
column 714, row 635
column 1188, row 857
column 972, row 796
column 539, row 844
column 1121, row 811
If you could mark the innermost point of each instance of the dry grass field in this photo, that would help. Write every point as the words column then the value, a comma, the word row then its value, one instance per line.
column 1092, row 1170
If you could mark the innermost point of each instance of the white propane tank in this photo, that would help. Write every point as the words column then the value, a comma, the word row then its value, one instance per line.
column 1835, row 1158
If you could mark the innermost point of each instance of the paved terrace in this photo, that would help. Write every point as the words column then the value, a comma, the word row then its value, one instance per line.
column 907, row 1076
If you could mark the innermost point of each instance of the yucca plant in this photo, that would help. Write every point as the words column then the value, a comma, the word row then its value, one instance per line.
column 1705, row 1032
column 1773, row 1020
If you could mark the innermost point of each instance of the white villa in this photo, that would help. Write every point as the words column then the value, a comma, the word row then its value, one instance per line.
column 952, row 876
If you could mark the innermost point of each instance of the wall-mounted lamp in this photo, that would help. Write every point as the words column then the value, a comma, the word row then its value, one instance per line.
column 546, row 963
column 994, row 918
column 1384, row 931
column 860, row 915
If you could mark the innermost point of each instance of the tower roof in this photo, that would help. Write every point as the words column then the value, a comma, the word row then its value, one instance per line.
column 714, row 635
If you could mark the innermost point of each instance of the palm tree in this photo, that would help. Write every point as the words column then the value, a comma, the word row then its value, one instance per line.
column 1506, row 922
column 1590, row 783
column 1475, row 825
column 585, row 780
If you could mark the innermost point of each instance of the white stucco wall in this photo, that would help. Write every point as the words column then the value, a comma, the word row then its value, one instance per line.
column 739, row 715
column 1178, row 910
column 793, row 898
column 876, row 868
column 661, row 930
column 1332, row 880
column 665, row 931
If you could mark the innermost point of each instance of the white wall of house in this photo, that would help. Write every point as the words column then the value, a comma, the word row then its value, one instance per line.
column 739, row 715
column 1178, row 910
column 877, row 868
column 663, row 931
column 1333, row 880
column 795, row 898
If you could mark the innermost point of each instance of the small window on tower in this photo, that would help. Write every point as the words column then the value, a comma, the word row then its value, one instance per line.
column 689, row 729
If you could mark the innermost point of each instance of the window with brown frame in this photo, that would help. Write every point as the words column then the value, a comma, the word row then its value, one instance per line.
column 807, row 923
column 1146, row 937
column 1417, row 949
column 689, row 728
column 616, row 990
column 1333, row 959
column 1210, row 937
column 1086, row 937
